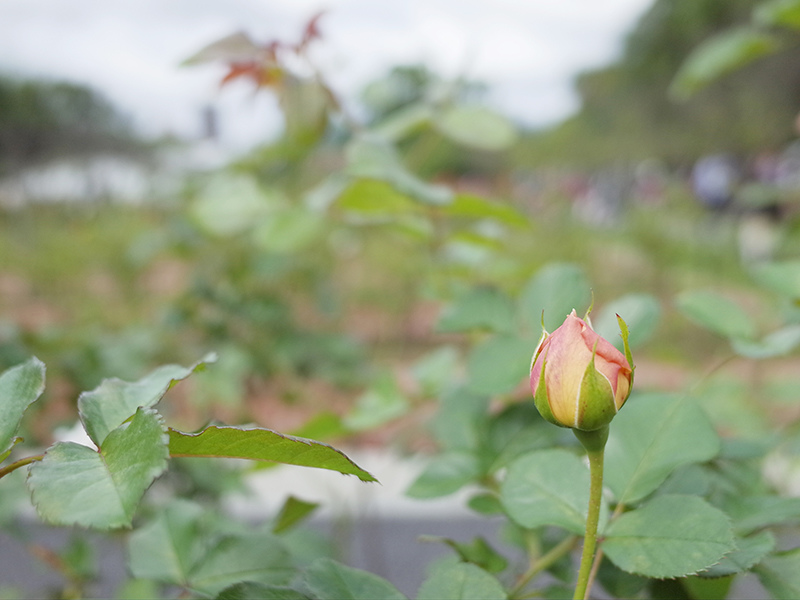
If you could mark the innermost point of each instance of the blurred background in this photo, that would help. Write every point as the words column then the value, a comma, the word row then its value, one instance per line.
column 309, row 188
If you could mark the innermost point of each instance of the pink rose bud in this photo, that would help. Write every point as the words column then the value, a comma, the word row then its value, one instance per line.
column 579, row 379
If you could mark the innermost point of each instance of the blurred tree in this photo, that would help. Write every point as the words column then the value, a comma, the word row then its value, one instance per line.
column 627, row 111
column 40, row 121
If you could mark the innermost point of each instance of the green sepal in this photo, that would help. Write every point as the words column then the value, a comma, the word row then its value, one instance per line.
column 623, row 330
column 539, row 344
column 596, row 405
column 589, row 311
column 541, row 401
column 593, row 441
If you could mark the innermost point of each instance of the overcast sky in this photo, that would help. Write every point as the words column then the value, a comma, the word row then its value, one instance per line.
column 528, row 51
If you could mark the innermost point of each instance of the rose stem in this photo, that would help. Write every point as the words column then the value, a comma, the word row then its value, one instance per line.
column 595, row 443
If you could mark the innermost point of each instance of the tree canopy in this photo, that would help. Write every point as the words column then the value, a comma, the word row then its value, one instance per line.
column 627, row 111
column 41, row 120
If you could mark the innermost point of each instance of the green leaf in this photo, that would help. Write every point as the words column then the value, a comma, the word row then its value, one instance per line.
column 477, row 552
column 231, row 48
column 750, row 513
column 777, row 343
column 706, row 588
column 780, row 574
column 327, row 579
column 137, row 589
column 749, row 551
column 457, row 424
column 548, row 487
column 460, row 581
column 486, row 504
column 258, row 557
column 499, row 364
column 263, row 444
column 479, row 308
column 670, row 536
column 445, row 474
column 436, row 371
column 20, row 386
column 371, row 157
column 692, row 480
column 716, row 313
column 76, row 485
column 230, row 205
column 778, row 13
column 476, row 127
column 641, row 312
column 720, row 55
column 167, row 548
column 478, row 207
column 258, row 591
column 382, row 403
column 114, row 401
column 651, row 436
column 293, row 512
column 404, row 121
column 322, row 425
column 782, row 277
column 618, row 583
column 556, row 289
column 372, row 199
column 517, row 430
column 288, row 230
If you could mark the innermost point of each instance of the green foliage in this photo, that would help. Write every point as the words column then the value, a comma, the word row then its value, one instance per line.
column 102, row 488
column 460, row 581
column 497, row 365
column 655, row 434
column 382, row 403
column 328, row 580
column 680, row 49
column 670, row 536
column 40, row 121
column 641, row 313
column 719, row 56
column 293, row 512
column 548, row 487
column 780, row 574
column 75, row 484
column 716, row 313
column 106, row 408
column 553, row 292
column 19, row 388
column 479, row 308
column 262, row 444
column 477, row 127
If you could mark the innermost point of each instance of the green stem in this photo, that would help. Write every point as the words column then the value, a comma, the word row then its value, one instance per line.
column 543, row 563
column 20, row 463
column 595, row 443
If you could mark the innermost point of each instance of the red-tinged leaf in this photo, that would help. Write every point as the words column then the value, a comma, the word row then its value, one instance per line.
column 258, row 72
column 312, row 30
column 263, row 444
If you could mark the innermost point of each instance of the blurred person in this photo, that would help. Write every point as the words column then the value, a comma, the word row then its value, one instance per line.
column 714, row 179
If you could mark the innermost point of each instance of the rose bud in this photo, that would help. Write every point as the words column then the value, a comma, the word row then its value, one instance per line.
column 579, row 379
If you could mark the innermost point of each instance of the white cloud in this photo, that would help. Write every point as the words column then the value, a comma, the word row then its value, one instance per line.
column 527, row 50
